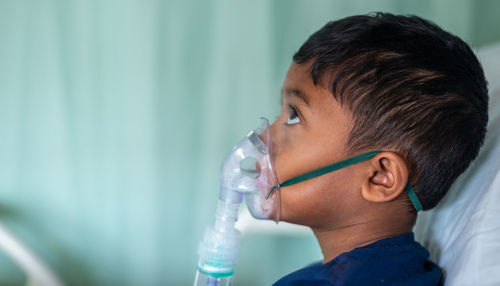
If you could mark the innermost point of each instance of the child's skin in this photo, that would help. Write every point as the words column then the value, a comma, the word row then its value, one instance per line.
column 348, row 208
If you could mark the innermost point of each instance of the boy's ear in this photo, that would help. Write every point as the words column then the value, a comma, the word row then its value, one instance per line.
column 387, row 178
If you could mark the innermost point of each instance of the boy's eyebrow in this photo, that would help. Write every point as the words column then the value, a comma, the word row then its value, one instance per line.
column 296, row 92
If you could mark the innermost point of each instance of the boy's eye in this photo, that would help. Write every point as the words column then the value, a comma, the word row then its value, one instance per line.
column 293, row 117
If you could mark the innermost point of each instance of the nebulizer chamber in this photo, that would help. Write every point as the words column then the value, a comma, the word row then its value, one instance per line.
column 246, row 173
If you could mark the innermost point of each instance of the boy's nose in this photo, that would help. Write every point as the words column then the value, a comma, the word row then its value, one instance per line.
column 274, row 134
column 266, row 137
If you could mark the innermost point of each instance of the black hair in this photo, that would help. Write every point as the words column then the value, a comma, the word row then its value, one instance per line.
column 411, row 88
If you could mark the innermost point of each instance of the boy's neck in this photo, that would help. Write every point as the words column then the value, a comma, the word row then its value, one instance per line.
column 344, row 238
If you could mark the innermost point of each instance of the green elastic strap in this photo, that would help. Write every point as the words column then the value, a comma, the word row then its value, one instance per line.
column 340, row 165
column 413, row 197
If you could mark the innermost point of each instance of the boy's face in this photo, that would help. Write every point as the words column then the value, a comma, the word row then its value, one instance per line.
column 311, row 132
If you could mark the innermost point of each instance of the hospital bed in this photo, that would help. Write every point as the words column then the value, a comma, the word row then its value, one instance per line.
column 463, row 232
column 37, row 273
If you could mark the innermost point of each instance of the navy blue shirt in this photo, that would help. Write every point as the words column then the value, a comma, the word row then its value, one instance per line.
column 397, row 260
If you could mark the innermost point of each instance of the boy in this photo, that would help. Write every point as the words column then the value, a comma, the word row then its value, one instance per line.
column 411, row 95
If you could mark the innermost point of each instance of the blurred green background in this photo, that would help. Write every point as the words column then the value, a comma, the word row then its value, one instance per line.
column 116, row 115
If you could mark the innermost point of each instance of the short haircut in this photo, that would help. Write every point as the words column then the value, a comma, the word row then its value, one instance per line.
column 411, row 88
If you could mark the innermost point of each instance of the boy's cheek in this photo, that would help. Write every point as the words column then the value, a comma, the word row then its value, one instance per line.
column 319, row 202
column 301, row 204
column 294, row 209
column 284, row 165
column 284, row 152
column 291, row 159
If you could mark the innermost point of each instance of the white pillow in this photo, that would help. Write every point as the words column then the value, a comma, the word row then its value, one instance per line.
column 463, row 232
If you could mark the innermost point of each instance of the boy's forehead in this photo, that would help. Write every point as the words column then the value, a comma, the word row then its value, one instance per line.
column 299, row 83
column 297, row 75
column 297, row 92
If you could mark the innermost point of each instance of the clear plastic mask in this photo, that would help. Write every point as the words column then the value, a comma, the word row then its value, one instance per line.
column 249, row 170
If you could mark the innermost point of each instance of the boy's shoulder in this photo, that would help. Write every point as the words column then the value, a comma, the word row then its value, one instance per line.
column 397, row 260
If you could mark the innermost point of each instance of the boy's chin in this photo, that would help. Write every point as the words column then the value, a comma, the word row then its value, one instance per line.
column 293, row 219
